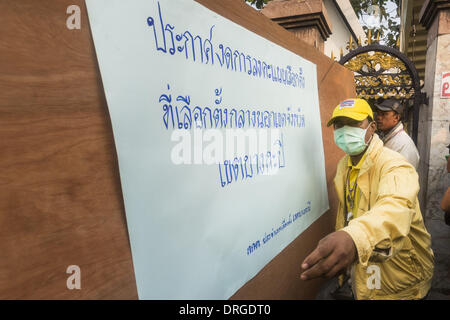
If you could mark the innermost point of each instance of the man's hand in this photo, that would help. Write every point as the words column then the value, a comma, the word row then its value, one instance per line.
column 333, row 254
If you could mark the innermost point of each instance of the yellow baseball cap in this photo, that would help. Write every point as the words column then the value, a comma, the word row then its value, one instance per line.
column 357, row 109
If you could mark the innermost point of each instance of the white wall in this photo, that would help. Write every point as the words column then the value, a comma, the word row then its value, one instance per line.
column 340, row 32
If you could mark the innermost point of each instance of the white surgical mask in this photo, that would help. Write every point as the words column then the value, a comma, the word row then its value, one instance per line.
column 351, row 139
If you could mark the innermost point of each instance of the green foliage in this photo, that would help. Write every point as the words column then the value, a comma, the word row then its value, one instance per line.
column 388, row 27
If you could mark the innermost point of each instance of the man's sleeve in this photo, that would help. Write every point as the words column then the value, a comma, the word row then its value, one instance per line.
column 411, row 154
column 380, row 232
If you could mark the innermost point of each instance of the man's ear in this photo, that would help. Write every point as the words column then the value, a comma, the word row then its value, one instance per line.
column 373, row 125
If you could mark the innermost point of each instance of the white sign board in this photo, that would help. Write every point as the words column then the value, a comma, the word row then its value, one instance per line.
column 205, row 216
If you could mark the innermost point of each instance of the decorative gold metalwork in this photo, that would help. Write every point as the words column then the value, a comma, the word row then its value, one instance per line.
column 351, row 45
column 384, row 86
column 374, row 62
column 384, row 80
column 385, row 72
column 380, row 75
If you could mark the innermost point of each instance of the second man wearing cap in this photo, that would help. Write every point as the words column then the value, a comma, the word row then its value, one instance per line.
column 392, row 133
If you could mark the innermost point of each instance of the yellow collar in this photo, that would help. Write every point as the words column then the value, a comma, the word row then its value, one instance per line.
column 359, row 164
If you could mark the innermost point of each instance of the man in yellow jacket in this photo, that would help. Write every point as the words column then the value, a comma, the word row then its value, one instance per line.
column 381, row 242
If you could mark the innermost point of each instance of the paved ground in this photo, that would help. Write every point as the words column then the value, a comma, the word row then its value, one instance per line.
column 440, row 235
column 440, row 288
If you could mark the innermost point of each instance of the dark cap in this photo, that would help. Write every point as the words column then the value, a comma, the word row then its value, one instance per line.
column 390, row 105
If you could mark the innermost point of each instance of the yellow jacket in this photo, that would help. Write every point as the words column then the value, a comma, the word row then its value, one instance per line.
column 388, row 230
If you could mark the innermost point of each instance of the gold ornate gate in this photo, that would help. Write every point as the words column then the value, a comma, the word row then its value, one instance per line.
column 383, row 72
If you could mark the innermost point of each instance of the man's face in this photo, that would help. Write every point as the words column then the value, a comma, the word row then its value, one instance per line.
column 339, row 122
column 386, row 120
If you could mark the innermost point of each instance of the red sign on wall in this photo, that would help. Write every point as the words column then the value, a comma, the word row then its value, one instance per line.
column 445, row 87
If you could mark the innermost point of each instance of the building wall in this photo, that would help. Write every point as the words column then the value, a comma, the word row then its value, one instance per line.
column 414, row 46
column 434, row 125
column 340, row 33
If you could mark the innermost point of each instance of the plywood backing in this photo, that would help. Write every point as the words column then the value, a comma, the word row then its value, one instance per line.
column 60, row 195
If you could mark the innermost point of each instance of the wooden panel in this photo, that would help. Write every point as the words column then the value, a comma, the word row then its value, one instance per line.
column 60, row 196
